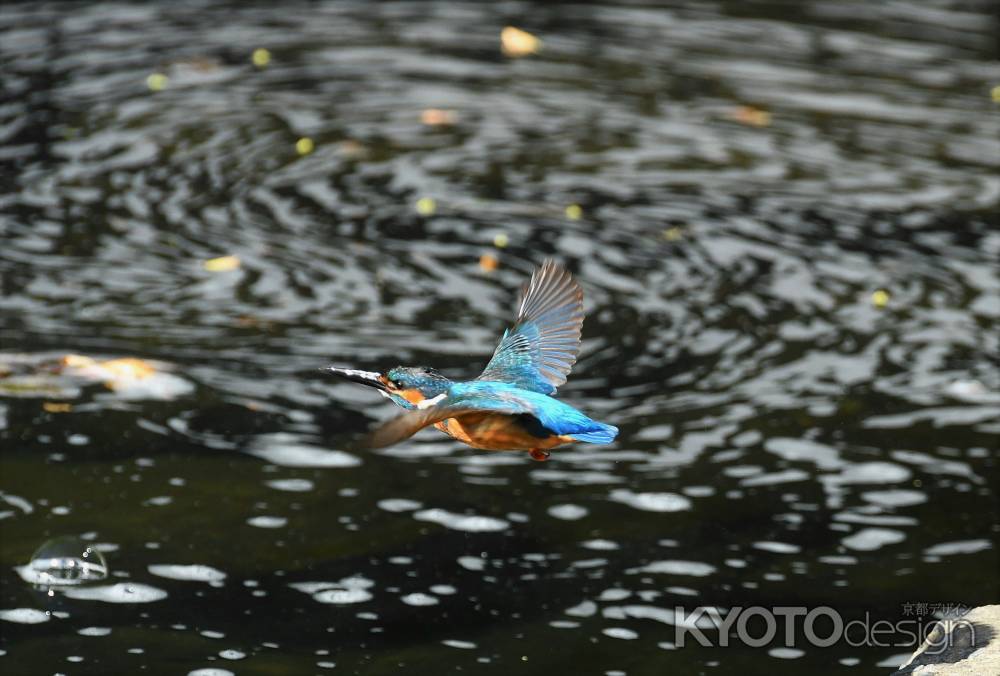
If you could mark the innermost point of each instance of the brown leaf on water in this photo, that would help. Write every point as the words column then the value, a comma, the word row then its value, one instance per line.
column 56, row 407
column 488, row 262
column 438, row 117
column 750, row 116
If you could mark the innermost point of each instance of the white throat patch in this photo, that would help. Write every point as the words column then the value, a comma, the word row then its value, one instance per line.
column 427, row 403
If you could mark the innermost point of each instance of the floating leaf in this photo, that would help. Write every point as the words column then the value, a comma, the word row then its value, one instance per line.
column 426, row 206
column 748, row 115
column 515, row 42
column 304, row 145
column 128, row 368
column 501, row 240
column 574, row 212
column 673, row 234
column 222, row 264
column 261, row 57
column 488, row 262
column 56, row 407
column 880, row 298
column 436, row 117
column 157, row 81
column 995, row 94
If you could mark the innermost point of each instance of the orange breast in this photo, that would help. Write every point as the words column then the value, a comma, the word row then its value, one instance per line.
column 496, row 432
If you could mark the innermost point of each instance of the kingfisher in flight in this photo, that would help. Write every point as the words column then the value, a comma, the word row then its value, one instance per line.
column 511, row 405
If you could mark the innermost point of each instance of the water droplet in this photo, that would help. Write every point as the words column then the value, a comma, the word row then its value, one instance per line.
column 65, row 560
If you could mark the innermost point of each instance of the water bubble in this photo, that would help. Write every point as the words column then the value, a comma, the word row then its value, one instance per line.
column 65, row 560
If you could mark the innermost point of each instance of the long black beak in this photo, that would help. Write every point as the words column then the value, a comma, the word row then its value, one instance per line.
column 369, row 378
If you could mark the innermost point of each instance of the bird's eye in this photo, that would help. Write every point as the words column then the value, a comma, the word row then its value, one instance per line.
column 395, row 383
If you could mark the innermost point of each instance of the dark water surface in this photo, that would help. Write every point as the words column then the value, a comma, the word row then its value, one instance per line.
column 786, row 233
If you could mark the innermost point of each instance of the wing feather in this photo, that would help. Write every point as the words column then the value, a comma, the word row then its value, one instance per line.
column 538, row 352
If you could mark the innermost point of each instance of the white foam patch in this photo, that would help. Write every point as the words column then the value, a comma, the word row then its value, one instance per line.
column 471, row 562
column 123, row 592
column 777, row 547
column 399, row 505
column 870, row 539
column 211, row 671
column 462, row 522
column 621, row 633
column 267, row 521
column 958, row 547
column 351, row 589
column 443, row 589
column 291, row 485
column 342, row 596
column 287, row 451
column 651, row 502
column 191, row 573
column 568, row 512
column 786, row 653
column 94, row 631
column 24, row 616
column 461, row 645
column 420, row 599
column 674, row 567
column 600, row 545
column 895, row 498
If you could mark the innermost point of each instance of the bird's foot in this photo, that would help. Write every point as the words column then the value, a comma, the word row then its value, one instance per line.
column 539, row 455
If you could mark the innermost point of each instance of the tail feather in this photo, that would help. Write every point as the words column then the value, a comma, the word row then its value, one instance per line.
column 600, row 434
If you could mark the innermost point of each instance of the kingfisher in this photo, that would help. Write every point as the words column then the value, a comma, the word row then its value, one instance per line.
column 510, row 406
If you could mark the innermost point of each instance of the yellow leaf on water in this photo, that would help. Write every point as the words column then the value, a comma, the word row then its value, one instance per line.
column 426, row 206
column 515, row 42
column 304, row 145
column 995, row 94
column 673, row 234
column 574, row 212
column 436, row 117
column 880, row 298
column 488, row 262
column 157, row 81
column 222, row 264
column 56, row 407
column 77, row 361
column 261, row 57
column 501, row 240
column 129, row 368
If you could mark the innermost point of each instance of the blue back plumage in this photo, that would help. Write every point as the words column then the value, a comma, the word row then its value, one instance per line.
column 538, row 352
column 554, row 415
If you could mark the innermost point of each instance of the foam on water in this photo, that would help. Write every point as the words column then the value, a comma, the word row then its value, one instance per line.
column 291, row 485
column 24, row 616
column 651, row 502
column 568, row 512
column 675, row 567
column 462, row 522
column 193, row 572
column 123, row 592
column 870, row 539
column 399, row 505
column 288, row 451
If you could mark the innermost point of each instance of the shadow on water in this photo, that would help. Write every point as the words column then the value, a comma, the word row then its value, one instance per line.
column 784, row 221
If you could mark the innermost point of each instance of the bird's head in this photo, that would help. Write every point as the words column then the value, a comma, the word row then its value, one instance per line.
column 407, row 386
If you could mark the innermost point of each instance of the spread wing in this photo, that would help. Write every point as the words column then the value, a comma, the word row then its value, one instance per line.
column 538, row 352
